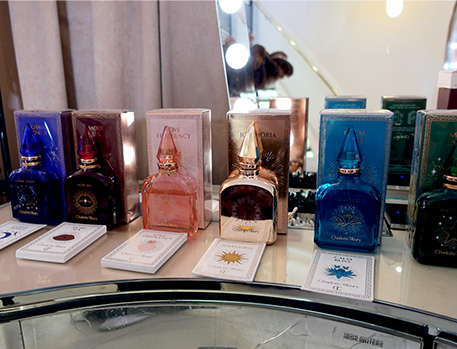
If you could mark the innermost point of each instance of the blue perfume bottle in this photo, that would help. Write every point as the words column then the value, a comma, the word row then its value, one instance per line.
column 35, row 189
column 347, row 210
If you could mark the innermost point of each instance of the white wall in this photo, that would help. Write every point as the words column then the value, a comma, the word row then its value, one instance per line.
column 358, row 48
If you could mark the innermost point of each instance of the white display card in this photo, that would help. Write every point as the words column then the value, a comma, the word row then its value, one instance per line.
column 232, row 260
column 145, row 252
column 12, row 231
column 61, row 243
column 341, row 274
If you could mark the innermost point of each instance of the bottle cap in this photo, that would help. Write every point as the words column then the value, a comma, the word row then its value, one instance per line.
column 349, row 157
column 250, row 150
column 87, row 149
column 30, row 147
column 167, row 153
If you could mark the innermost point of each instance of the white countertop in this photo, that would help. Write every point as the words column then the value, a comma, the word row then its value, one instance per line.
column 399, row 279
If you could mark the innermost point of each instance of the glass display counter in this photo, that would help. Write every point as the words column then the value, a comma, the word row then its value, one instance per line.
column 80, row 304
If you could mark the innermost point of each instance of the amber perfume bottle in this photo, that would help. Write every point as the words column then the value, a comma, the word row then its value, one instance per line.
column 435, row 237
column 169, row 198
column 91, row 193
column 35, row 190
column 247, row 201
column 347, row 210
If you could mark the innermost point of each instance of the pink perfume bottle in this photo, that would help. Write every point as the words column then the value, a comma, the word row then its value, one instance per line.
column 169, row 198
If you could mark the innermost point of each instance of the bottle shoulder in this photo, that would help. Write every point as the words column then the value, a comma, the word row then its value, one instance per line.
column 90, row 175
column 177, row 181
column 256, row 182
column 437, row 195
column 36, row 172
column 340, row 187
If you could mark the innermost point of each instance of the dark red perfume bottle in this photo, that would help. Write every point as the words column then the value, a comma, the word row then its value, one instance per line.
column 91, row 192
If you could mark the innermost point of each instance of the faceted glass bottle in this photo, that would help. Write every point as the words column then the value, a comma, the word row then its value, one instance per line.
column 435, row 237
column 348, row 209
column 92, row 194
column 35, row 189
column 248, row 202
column 169, row 198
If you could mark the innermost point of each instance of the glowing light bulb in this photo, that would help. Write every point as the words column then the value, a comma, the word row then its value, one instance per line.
column 230, row 6
column 394, row 8
column 237, row 56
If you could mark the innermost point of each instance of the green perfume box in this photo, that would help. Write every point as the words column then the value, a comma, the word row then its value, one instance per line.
column 435, row 133
column 404, row 109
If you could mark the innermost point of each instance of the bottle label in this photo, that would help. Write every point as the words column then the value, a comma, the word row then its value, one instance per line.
column 27, row 199
column 348, row 222
column 85, row 203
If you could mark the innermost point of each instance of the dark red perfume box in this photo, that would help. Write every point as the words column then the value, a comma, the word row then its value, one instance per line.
column 114, row 135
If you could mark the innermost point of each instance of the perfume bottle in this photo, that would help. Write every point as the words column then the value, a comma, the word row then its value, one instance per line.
column 169, row 198
column 348, row 209
column 435, row 236
column 35, row 190
column 91, row 193
column 247, row 201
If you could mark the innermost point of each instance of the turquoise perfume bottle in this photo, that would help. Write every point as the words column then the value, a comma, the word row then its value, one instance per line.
column 35, row 189
column 347, row 210
column 435, row 237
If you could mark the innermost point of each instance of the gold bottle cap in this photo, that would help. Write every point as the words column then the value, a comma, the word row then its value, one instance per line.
column 250, row 151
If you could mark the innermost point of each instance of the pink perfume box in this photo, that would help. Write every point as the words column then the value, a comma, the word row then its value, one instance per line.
column 274, row 128
column 114, row 134
column 191, row 129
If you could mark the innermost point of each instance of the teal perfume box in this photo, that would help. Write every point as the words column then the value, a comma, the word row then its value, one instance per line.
column 53, row 129
column 345, row 102
column 435, row 133
column 373, row 130
column 405, row 109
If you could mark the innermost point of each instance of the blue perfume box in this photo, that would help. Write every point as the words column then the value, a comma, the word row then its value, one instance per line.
column 374, row 132
column 54, row 130
column 345, row 102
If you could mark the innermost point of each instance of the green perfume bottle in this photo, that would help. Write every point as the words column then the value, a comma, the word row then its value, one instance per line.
column 435, row 238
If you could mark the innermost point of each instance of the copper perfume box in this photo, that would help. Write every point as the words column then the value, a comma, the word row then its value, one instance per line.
column 114, row 135
column 191, row 130
column 298, row 128
column 274, row 130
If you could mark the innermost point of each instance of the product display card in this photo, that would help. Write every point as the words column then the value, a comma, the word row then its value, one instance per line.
column 13, row 231
column 341, row 274
column 232, row 260
column 61, row 243
column 145, row 252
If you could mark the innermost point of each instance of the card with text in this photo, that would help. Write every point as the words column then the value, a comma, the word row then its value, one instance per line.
column 61, row 243
column 232, row 260
column 12, row 231
column 341, row 274
column 145, row 252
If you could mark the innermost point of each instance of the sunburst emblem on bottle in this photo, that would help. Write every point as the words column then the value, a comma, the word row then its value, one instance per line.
column 247, row 210
column 231, row 257
column 85, row 202
column 347, row 219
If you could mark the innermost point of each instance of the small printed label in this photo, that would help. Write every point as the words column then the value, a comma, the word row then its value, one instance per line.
column 12, row 231
column 233, row 260
column 341, row 274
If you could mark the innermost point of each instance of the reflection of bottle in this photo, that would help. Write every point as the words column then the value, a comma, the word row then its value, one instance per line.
column 347, row 210
column 247, row 201
column 435, row 237
column 35, row 190
column 169, row 198
column 91, row 193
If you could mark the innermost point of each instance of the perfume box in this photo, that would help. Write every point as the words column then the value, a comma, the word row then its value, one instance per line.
column 191, row 129
column 114, row 135
column 373, row 131
column 405, row 109
column 447, row 89
column 345, row 102
column 53, row 129
column 61, row 243
column 145, row 252
column 274, row 128
column 298, row 128
column 436, row 131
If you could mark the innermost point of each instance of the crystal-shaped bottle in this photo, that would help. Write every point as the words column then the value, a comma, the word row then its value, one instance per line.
column 35, row 190
column 92, row 194
column 435, row 236
column 248, row 201
column 348, row 209
column 169, row 197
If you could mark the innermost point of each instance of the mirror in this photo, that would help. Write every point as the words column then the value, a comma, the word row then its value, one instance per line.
column 347, row 48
